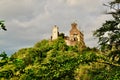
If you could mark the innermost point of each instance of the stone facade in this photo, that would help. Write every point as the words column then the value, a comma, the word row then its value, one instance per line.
column 75, row 36
column 55, row 33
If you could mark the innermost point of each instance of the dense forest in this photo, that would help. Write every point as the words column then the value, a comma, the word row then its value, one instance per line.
column 54, row 60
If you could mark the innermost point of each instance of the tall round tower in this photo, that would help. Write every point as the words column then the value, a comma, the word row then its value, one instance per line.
column 55, row 32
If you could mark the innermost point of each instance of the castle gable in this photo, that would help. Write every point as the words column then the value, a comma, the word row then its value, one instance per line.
column 74, row 29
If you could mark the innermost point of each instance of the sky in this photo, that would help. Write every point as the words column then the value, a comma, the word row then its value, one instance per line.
column 30, row 21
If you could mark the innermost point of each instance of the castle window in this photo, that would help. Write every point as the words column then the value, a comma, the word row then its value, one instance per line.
column 75, row 37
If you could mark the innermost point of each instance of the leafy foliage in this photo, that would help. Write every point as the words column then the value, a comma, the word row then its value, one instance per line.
column 2, row 26
column 54, row 60
column 109, row 33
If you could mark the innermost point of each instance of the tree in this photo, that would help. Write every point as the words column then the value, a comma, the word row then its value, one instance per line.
column 62, row 35
column 109, row 33
column 2, row 26
column 4, row 56
column 3, row 59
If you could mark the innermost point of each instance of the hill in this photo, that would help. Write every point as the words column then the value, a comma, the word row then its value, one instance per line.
column 54, row 60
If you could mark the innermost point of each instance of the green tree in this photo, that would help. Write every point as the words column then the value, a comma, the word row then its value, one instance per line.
column 62, row 35
column 2, row 26
column 3, row 58
column 109, row 33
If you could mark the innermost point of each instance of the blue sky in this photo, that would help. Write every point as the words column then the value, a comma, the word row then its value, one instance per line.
column 29, row 21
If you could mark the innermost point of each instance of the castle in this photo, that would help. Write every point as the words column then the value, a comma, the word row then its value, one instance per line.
column 75, row 36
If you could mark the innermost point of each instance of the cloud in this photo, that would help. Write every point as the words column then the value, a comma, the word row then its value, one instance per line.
column 29, row 21
column 73, row 2
column 21, row 9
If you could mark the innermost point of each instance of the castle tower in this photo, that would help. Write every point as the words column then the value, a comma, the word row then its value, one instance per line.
column 76, row 35
column 55, row 33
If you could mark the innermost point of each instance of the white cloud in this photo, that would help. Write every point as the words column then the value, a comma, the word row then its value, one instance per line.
column 29, row 21
column 73, row 2
column 20, row 9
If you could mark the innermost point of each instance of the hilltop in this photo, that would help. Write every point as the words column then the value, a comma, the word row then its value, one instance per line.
column 54, row 60
column 60, row 59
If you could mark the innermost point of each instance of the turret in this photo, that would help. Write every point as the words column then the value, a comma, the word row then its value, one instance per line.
column 55, row 33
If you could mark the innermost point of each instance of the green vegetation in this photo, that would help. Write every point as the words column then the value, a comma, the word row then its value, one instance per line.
column 2, row 26
column 109, row 33
column 54, row 60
